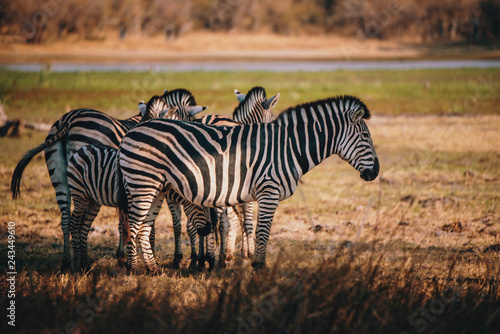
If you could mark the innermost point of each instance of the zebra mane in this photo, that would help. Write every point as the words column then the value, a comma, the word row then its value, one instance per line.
column 340, row 100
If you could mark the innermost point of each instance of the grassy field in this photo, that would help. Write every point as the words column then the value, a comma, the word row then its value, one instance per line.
column 415, row 251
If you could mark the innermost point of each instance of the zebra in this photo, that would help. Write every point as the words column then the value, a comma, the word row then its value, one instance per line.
column 92, row 183
column 256, row 108
column 214, row 166
column 81, row 127
column 91, row 176
column 256, row 105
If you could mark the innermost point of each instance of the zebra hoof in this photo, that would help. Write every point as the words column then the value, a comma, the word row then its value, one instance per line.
column 131, row 270
column 120, row 254
column 66, row 266
column 201, row 263
column 154, row 272
column 193, row 266
column 258, row 265
column 121, row 262
column 211, row 263
column 174, row 264
column 84, row 266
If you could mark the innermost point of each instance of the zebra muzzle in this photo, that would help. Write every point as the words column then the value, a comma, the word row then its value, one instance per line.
column 372, row 173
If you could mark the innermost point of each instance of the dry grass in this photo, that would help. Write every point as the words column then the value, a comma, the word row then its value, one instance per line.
column 415, row 251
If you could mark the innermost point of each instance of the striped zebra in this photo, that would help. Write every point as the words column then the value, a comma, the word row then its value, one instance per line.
column 214, row 166
column 256, row 108
column 92, row 183
column 256, row 105
column 81, row 127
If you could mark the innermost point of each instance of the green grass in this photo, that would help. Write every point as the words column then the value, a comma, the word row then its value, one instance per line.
column 383, row 261
column 45, row 96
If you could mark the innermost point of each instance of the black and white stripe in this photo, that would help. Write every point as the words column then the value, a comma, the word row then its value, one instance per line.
column 92, row 181
column 81, row 127
column 224, row 166
column 253, row 107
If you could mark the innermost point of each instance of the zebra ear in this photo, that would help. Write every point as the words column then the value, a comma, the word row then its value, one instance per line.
column 273, row 101
column 356, row 115
column 239, row 96
column 142, row 108
column 193, row 110
column 168, row 113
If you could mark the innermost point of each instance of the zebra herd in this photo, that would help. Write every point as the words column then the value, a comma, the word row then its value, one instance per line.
column 214, row 167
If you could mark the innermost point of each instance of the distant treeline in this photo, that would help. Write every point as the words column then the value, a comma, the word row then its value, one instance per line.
column 38, row 21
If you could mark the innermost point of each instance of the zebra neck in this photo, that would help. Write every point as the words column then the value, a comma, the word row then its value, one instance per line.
column 310, row 138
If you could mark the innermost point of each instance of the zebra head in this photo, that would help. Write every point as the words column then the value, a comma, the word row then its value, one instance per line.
column 354, row 142
column 156, row 108
column 185, row 102
column 254, row 107
column 160, row 106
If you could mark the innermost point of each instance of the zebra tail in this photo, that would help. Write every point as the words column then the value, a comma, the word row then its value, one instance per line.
column 122, row 206
column 15, row 183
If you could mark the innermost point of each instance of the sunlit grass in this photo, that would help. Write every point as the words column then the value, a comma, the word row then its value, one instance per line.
column 44, row 97
column 423, row 237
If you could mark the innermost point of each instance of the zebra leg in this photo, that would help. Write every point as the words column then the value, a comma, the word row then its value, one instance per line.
column 75, row 227
column 210, row 252
column 148, row 231
column 212, row 214
column 143, row 237
column 241, row 220
column 175, row 210
column 57, row 162
column 201, row 253
column 247, row 212
column 267, row 204
column 87, row 220
column 152, row 239
column 193, row 237
column 151, row 219
column 199, row 218
column 120, row 252
column 233, row 219
column 139, row 208
column 224, row 229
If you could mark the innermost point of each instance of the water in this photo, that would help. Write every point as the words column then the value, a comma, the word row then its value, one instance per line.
column 264, row 66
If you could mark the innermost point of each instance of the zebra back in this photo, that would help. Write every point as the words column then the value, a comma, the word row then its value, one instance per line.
column 254, row 107
column 216, row 120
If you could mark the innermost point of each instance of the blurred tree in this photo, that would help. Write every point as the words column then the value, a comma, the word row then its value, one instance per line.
column 40, row 21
